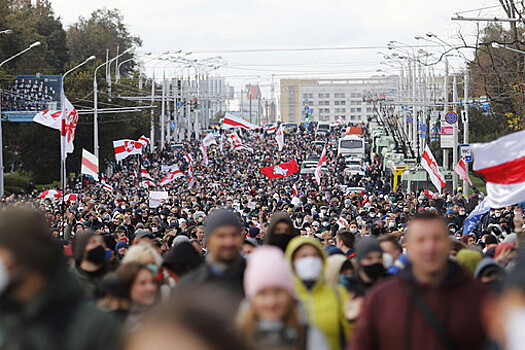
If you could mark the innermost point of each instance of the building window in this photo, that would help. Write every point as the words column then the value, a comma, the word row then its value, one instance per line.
column 352, row 117
column 327, row 110
column 342, row 95
column 369, row 109
column 337, row 110
column 310, row 95
column 358, row 95
column 336, row 103
column 326, row 95
column 336, row 95
column 343, row 110
column 320, row 95
column 352, row 95
column 352, row 110
column 343, row 103
column 358, row 110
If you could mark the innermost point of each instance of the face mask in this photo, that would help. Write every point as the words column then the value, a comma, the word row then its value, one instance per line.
column 298, row 220
column 199, row 220
column 326, row 224
column 452, row 257
column 497, row 215
column 461, row 213
column 372, row 215
column 96, row 255
column 420, row 201
column 388, row 260
column 347, row 206
column 153, row 228
column 513, row 325
column 323, row 211
column 353, row 230
column 391, row 224
column 453, row 230
column 280, row 240
column 344, row 280
column 309, row 268
column 374, row 271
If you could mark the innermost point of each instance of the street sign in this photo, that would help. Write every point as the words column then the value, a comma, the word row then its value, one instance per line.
column 423, row 128
column 447, row 130
column 306, row 108
column 451, row 118
column 410, row 119
column 466, row 152
column 180, row 104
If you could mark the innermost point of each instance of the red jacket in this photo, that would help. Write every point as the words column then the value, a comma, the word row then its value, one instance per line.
column 391, row 320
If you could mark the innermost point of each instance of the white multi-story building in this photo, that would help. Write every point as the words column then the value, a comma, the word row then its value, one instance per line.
column 328, row 99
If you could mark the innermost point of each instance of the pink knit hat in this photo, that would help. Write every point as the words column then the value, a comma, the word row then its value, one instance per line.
column 267, row 268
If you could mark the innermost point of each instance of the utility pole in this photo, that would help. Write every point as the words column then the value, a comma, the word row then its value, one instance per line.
column 445, row 111
column 152, row 115
column 163, row 113
column 465, row 125
column 455, row 129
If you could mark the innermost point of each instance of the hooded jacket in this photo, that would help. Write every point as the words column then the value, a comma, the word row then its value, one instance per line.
column 390, row 319
column 277, row 218
column 324, row 304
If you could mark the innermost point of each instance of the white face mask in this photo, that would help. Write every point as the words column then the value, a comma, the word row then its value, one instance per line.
column 353, row 230
column 514, row 324
column 391, row 224
column 4, row 277
column 388, row 260
column 309, row 268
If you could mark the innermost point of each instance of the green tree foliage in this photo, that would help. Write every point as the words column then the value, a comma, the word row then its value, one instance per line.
column 35, row 149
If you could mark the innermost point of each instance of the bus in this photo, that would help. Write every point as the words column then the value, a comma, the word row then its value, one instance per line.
column 352, row 146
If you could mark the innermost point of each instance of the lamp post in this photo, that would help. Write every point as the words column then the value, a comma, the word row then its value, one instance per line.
column 36, row 43
column 63, row 152
column 95, row 101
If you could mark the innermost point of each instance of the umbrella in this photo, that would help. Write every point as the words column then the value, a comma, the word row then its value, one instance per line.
column 71, row 197
column 50, row 194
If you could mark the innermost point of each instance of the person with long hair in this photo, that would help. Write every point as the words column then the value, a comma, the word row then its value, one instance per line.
column 270, row 317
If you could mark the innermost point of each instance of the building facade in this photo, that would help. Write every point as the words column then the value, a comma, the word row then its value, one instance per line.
column 325, row 100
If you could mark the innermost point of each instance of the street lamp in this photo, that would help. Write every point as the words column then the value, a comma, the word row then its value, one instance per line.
column 95, row 100
column 36, row 43
column 6, row 31
column 63, row 117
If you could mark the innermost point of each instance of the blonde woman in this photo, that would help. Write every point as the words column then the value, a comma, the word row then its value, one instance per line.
column 270, row 317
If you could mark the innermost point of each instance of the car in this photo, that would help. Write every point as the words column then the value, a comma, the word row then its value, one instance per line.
column 349, row 190
column 310, row 164
column 354, row 170
column 353, row 161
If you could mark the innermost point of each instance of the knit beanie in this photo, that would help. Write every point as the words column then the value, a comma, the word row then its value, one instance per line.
column 267, row 268
column 365, row 246
column 469, row 259
column 219, row 218
column 79, row 243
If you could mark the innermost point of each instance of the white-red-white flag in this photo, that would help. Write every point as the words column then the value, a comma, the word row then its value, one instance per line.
column 204, row 151
column 144, row 140
column 70, row 197
column 89, row 165
column 461, row 170
column 191, row 177
column 209, row 140
column 295, row 192
column 271, row 129
column 320, row 164
column 147, row 184
column 69, row 125
column 279, row 137
column 243, row 147
column 49, row 118
column 188, row 158
column 125, row 148
column 428, row 162
column 172, row 175
column 339, row 121
column 230, row 122
column 502, row 163
column 144, row 173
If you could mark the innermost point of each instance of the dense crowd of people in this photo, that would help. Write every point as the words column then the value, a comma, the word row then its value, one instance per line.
column 234, row 260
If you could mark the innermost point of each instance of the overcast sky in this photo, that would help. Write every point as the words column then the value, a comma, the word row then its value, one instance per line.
column 218, row 25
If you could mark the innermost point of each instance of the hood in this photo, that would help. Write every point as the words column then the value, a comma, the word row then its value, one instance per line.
column 333, row 268
column 275, row 219
column 297, row 243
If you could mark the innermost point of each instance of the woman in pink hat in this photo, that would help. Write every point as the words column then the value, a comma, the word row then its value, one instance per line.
column 271, row 317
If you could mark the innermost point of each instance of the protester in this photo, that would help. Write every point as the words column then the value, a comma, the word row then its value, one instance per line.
column 324, row 304
column 271, row 317
column 280, row 231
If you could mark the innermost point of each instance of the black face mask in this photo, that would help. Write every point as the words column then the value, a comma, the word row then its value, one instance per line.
column 280, row 240
column 374, row 271
column 96, row 255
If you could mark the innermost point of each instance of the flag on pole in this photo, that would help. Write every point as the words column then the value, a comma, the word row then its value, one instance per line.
column 144, row 140
column 241, row 147
column 188, row 158
column 147, row 184
column 339, row 121
column 428, row 162
column 168, row 168
column 230, row 122
column 191, row 181
column 209, row 140
column 502, row 162
column 461, row 170
column 320, row 164
column 279, row 137
column 204, row 151
column 49, row 118
column 68, row 128
column 280, row 170
column 271, row 129
column 144, row 173
column 172, row 175
column 125, row 148
column 89, row 164
column 295, row 192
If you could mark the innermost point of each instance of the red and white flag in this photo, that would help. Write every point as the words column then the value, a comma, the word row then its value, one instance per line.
column 144, row 140
column 209, row 140
column 234, row 139
column 70, row 197
column 107, row 187
column 295, row 192
column 125, row 148
column 279, row 137
column 339, row 121
column 69, row 126
column 147, row 184
column 428, row 162
column 89, row 165
column 342, row 222
column 281, row 170
column 320, row 164
column 461, row 170
column 191, row 177
column 172, row 175
column 230, row 122
column 271, row 129
column 502, row 163
column 188, row 158
column 204, row 151
column 144, row 173
column 49, row 118
column 243, row 147
column 50, row 194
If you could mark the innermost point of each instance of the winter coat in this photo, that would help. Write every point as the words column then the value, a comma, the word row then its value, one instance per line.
column 324, row 304
column 59, row 317
column 390, row 319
